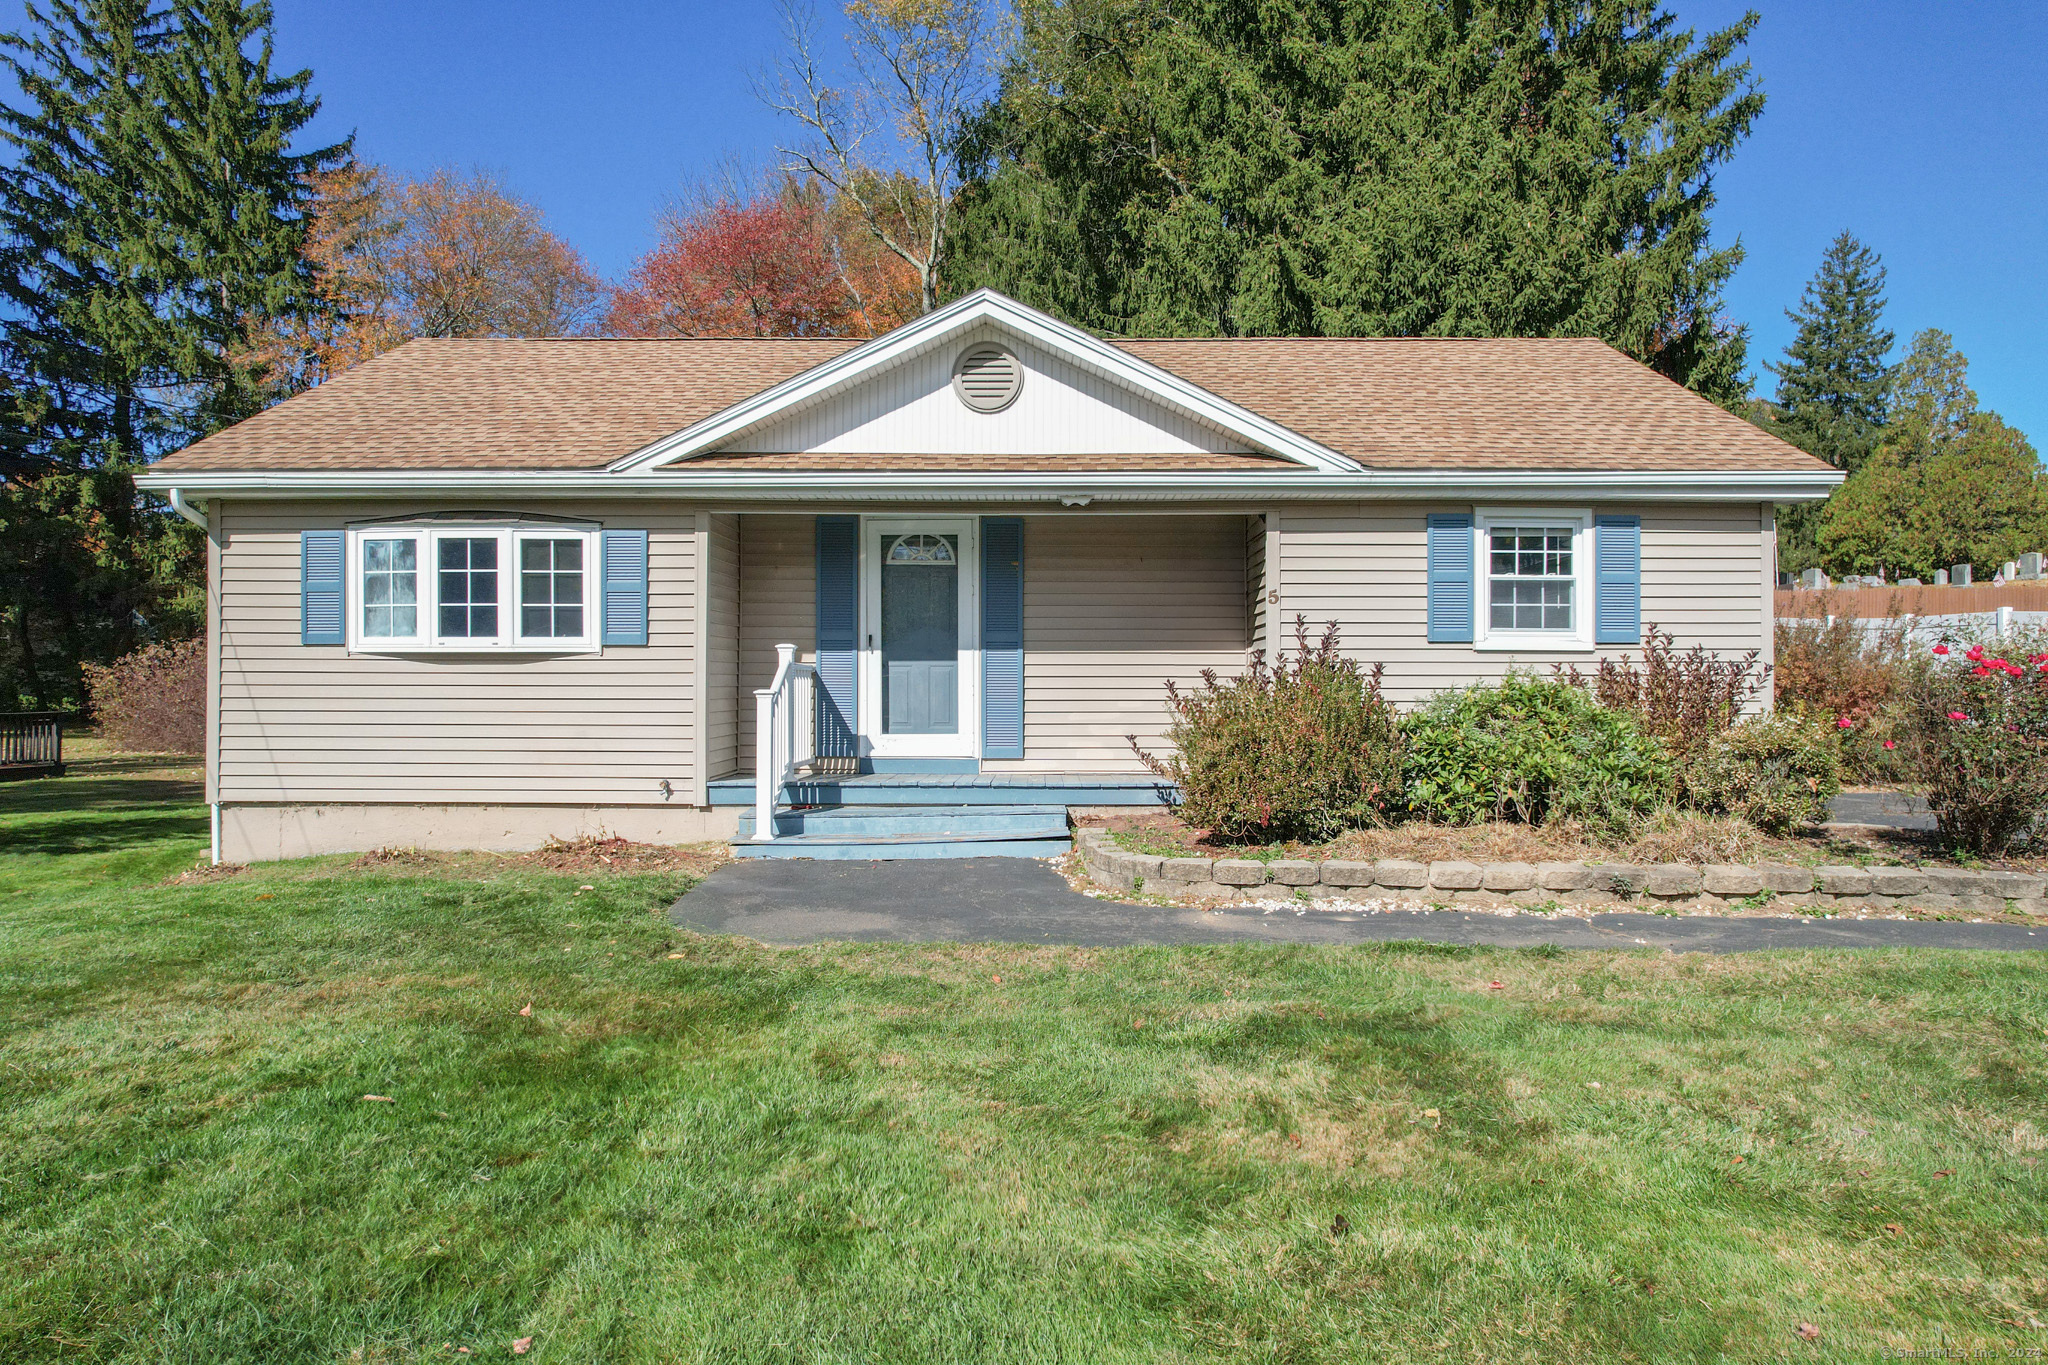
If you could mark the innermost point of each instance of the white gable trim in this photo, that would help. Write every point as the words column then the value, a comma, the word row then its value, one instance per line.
column 958, row 319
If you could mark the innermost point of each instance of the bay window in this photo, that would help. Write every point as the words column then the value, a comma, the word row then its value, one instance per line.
column 443, row 587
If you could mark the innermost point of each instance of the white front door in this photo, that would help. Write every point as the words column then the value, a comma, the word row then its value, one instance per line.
column 920, row 657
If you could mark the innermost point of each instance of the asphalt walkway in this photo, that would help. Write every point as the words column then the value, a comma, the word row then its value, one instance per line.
column 1020, row 900
column 1889, row 809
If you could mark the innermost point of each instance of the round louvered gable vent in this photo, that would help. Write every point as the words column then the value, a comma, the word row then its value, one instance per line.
column 988, row 378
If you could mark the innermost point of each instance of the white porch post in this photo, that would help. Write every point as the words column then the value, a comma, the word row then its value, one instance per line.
column 770, row 758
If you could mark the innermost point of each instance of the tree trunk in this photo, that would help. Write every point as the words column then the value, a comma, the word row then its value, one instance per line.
column 32, row 677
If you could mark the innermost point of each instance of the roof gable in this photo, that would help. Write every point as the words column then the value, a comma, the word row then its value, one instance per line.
column 911, row 408
column 1080, row 395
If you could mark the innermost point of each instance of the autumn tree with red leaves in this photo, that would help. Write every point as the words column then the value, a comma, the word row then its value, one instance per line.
column 785, row 261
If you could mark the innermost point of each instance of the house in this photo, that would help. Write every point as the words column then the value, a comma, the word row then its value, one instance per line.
column 477, row 593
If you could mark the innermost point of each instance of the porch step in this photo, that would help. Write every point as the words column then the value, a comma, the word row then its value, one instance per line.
column 870, row 831
column 961, row 789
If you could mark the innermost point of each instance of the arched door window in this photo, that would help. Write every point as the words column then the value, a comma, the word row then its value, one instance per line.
column 921, row 549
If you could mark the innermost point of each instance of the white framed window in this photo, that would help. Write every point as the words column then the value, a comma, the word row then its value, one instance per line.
column 1534, row 585
column 447, row 587
column 556, row 601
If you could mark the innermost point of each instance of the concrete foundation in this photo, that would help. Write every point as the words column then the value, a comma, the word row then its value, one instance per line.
column 263, row 833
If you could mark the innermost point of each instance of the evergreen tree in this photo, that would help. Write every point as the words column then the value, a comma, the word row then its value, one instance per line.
column 1833, row 384
column 1366, row 167
column 1835, row 378
column 150, row 213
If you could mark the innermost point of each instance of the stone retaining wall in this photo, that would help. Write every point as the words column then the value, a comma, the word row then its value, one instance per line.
column 1679, row 886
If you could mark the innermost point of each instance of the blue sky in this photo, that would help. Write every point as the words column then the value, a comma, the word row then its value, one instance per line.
column 1919, row 126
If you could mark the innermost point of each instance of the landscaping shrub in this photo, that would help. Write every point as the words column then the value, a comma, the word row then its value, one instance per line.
column 154, row 700
column 1837, row 668
column 1686, row 700
column 1981, row 745
column 1778, row 772
column 1531, row 749
column 1304, row 748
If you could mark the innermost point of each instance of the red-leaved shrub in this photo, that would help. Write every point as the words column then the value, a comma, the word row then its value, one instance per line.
column 154, row 700
column 1686, row 698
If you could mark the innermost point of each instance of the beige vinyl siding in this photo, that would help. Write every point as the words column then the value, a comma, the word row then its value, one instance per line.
column 722, row 670
column 314, row 723
column 1365, row 568
column 778, row 605
column 1113, row 607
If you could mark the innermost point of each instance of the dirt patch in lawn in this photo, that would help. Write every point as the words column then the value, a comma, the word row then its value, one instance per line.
column 576, row 857
column 624, row 856
column 207, row 872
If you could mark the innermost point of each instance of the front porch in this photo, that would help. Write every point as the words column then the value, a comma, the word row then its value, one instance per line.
column 940, row 685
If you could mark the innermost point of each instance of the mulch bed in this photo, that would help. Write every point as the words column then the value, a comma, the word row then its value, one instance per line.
column 1674, row 837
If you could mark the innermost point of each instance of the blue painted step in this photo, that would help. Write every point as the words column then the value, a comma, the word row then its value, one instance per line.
column 850, row 821
column 868, row 831
column 995, row 789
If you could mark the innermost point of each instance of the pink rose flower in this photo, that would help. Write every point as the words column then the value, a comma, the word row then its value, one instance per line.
column 1941, row 649
column 1957, row 715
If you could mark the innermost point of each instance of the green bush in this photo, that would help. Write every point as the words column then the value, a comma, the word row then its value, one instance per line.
column 1530, row 749
column 1982, row 744
column 1778, row 772
column 1305, row 748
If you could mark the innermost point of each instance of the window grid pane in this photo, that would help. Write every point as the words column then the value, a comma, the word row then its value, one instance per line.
column 1531, row 583
column 390, row 589
column 469, row 587
column 551, row 588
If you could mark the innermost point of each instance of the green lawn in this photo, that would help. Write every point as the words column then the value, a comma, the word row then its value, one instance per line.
column 938, row 1154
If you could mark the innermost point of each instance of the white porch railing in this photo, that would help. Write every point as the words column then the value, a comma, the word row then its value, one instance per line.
column 785, row 733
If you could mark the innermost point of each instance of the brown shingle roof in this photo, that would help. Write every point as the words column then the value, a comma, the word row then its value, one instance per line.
column 1389, row 403
column 439, row 403
column 1472, row 403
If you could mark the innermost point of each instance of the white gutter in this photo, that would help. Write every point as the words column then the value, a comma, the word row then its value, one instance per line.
column 730, row 485
column 195, row 515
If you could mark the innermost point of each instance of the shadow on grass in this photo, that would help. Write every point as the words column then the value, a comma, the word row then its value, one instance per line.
column 102, row 806
column 64, row 835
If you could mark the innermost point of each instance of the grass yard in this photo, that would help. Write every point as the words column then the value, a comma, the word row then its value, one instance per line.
column 706, row 1150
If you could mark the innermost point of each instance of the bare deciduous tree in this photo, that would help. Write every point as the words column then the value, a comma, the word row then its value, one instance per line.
column 885, row 143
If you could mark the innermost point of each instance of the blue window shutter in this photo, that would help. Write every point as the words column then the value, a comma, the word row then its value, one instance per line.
column 625, row 587
column 321, row 591
column 838, row 636
column 1617, row 580
column 1450, row 578
column 1002, row 637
